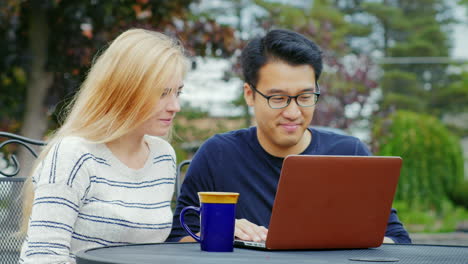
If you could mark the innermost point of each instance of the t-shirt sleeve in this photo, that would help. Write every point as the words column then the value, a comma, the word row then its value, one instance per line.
column 61, row 182
column 198, row 178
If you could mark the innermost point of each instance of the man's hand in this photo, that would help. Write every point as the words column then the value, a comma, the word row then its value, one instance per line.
column 189, row 238
column 249, row 231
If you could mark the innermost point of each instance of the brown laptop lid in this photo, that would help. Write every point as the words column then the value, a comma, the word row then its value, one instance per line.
column 333, row 202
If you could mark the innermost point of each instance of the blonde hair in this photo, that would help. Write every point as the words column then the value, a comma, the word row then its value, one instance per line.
column 120, row 92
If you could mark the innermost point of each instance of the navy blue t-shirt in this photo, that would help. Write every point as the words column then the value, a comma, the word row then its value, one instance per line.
column 236, row 162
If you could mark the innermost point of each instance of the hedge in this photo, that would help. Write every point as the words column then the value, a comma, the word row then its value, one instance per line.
column 432, row 157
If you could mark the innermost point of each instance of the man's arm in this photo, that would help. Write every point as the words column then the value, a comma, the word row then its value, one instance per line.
column 188, row 197
column 395, row 230
column 205, row 174
column 187, row 239
column 198, row 178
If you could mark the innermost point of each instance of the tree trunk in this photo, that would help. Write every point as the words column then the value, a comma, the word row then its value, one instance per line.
column 35, row 116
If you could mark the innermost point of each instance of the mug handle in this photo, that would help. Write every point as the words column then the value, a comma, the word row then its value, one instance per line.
column 187, row 229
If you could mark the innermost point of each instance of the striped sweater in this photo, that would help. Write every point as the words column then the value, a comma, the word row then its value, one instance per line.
column 85, row 197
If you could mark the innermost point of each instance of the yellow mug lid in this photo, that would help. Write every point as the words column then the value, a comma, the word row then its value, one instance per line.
column 218, row 197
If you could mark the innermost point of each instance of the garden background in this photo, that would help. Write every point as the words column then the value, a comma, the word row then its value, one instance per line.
column 391, row 77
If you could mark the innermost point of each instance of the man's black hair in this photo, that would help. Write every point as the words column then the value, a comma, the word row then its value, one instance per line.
column 279, row 44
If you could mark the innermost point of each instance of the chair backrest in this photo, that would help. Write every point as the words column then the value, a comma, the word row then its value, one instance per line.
column 180, row 175
column 21, row 141
column 10, row 216
column 10, row 202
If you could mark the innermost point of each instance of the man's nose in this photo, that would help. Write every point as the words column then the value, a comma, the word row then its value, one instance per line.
column 292, row 111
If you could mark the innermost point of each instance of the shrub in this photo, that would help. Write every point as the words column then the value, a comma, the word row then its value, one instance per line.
column 460, row 194
column 432, row 158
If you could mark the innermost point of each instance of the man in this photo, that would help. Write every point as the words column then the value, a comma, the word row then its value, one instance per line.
column 281, row 71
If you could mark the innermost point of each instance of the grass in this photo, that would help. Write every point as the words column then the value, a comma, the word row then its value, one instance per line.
column 444, row 220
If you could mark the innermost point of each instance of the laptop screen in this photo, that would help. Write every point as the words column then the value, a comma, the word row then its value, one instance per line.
column 333, row 202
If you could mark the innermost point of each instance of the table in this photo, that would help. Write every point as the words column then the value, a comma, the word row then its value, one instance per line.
column 191, row 253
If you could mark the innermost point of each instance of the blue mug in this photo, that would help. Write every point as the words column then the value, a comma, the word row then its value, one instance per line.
column 217, row 213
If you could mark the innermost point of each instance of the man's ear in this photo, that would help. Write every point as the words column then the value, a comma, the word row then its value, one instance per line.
column 248, row 95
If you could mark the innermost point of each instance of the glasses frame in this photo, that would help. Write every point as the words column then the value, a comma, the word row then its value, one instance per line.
column 289, row 97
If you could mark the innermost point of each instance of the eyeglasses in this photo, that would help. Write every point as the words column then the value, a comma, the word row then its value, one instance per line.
column 279, row 101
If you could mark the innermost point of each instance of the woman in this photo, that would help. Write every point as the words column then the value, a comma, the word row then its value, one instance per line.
column 105, row 178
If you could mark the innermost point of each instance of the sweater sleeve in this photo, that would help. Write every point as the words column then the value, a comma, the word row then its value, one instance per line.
column 60, row 185
column 361, row 149
column 198, row 178
column 395, row 229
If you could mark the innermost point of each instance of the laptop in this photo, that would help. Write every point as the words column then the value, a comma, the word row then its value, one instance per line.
column 331, row 202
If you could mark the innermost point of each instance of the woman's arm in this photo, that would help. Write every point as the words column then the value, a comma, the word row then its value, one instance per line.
column 59, row 188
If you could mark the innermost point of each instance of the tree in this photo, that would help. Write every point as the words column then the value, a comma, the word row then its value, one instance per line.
column 235, row 10
column 408, row 29
column 47, row 47
column 454, row 97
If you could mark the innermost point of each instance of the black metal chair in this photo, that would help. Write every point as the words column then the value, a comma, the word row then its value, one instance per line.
column 21, row 141
column 10, row 190
column 179, row 176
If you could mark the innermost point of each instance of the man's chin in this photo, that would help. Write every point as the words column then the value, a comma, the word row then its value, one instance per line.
column 288, row 142
column 290, row 139
column 297, row 132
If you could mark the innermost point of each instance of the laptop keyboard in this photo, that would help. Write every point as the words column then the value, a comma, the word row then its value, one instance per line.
column 249, row 243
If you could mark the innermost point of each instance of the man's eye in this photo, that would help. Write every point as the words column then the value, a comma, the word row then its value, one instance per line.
column 278, row 99
column 305, row 97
